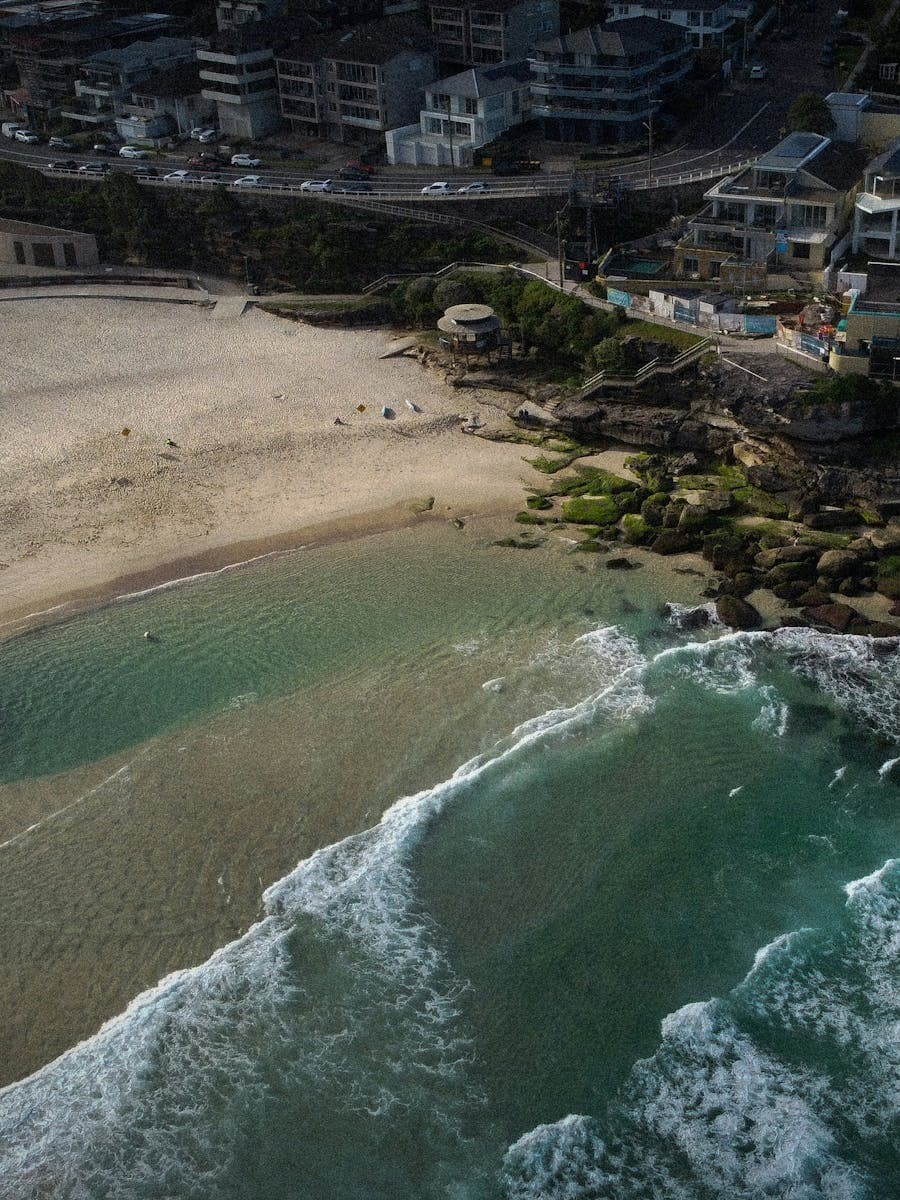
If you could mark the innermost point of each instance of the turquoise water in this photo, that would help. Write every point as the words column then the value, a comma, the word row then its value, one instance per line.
column 629, row 928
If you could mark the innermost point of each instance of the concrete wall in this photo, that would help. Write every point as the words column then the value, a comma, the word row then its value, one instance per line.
column 53, row 248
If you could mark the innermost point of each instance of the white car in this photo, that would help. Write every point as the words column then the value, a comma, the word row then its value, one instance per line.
column 437, row 189
column 316, row 185
column 208, row 135
column 198, row 131
column 478, row 186
column 211, row 179
column 248, row 181
column 759, row 71
column 133, row 152
column 245, row 160
column 179, row 177
column 26, row 135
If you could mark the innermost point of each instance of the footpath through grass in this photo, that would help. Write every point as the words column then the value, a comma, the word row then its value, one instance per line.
column 679, row 338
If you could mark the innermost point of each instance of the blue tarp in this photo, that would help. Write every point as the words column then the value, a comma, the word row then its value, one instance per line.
column 811, row 344
column 622, row 299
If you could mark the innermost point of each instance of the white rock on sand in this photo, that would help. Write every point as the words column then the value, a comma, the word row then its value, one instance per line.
column 250, row 405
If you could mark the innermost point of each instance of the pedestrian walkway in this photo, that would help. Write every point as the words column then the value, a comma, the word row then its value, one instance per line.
column 106, row 291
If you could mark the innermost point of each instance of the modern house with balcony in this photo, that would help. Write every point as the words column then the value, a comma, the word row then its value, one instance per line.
column 869, row 342
column 876, row 213
column 782, row 213
column 106, row 78
column 600, row 84
column 356, row 85
column 474, row 33
column 462, row 113
column 708, row 23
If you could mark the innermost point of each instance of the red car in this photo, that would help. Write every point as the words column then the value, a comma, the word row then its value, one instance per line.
column 363, row 168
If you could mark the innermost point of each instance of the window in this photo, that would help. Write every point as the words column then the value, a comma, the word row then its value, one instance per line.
column 435, row 125
column 43, row 254
column 471, row 108
column 69, row 254
column 693, row 18
column 799, row 249
column 20, row 252
column 813, row 216
column 691, row 265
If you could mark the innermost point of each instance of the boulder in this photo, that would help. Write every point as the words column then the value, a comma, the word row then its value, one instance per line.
column 743, row 583
column 829, row 518
column 695, row 516
column 693, row 618
column 620, row 564
column 787, row 572
column 636, row 530
column 737, row 613
column 767, row 559
column 883, row 629
column 835, row 616
column 790, row 591
column 671, row 541
column 837, row 564
column 886, row 539
column 814, row 597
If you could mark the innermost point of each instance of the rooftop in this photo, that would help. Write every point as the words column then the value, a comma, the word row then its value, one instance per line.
column 792, row 152
column 139, row 53
column 882, row 294
column 177, row 81
column 484, row 81
column 373, row 42
column 616, row 39
column 28, row 228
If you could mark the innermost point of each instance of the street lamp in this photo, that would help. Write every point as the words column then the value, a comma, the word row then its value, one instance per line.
column 648, row 125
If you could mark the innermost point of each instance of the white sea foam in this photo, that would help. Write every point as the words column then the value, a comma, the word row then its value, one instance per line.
column 886, row 767
column 734, row 791
column 838, row 776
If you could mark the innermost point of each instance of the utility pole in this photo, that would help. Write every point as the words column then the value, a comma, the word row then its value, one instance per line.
column 559, row 253
column 649, row 135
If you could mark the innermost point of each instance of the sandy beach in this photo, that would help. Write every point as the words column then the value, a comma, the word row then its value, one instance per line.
column 258, row 462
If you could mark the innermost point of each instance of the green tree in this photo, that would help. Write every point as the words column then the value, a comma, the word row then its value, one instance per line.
column 811, row 114
column 609, row 355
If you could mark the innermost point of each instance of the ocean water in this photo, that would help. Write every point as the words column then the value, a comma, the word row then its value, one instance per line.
column 628, row 927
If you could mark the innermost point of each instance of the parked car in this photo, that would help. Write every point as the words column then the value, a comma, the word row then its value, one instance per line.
column 245, row 160
column 758, row 71
column 356, row 164
column 208, row 136
column 437, row 189
column 352, row 189
column 60, row 143
column 67, row 164
column 316, row 185
column 212, row 177
column 146, row 173
column 133, row 152
column 103, row 148
column 354, row 173
column 248, row 181
column 179, row 177
column 478, row 185
column 201, row 131
column 94, row 168
column 211, row 162
column 27, row 135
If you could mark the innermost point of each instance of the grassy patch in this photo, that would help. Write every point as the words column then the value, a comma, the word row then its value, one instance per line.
column 323, row 304
column 679, row 338
column 549, row 466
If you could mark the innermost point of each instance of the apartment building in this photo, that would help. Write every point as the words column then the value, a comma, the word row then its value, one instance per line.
column 462, row 113
column 876, row 211
column 473, row 33
column 237, row 71
column 106, row 78
column 600, row 84
column 708, row 23
column 784, row 212
column 49, row 57
column 356, row 85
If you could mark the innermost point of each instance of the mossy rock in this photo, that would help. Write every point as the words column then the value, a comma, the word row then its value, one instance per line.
column 694, row 483
column 755, row 500
column 790, row 572
column 731, row 477
column 630, row 502
column 737, row 613
column 423, row 505
column 604, row 483
column 590, row 510
column 826, row 541
column 589, row 546
column 652, row 513
column 528, row 518
column 696, row 517
column 743, row 583
column 636, row 530
column 868, row 516
column 538, row 501
column 888, row 581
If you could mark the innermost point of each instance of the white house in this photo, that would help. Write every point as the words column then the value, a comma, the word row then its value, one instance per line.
column 707, row 21
column 461, row 114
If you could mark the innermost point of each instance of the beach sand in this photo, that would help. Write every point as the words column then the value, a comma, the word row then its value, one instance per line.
column 258, row 463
